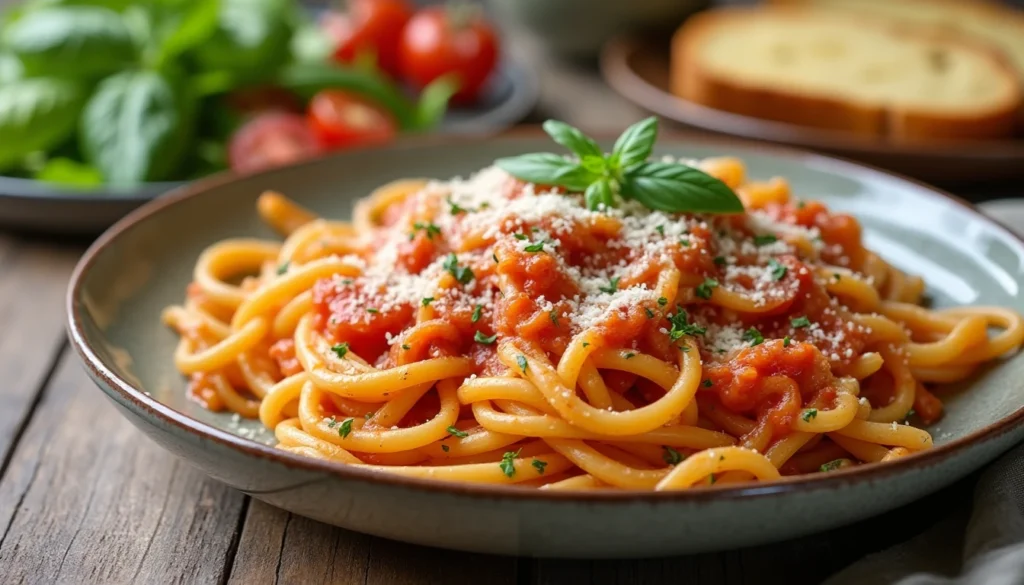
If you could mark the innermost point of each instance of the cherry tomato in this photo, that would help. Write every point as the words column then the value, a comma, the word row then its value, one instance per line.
column 438, row 41
column 369, row 27
column 340, row 119
column 269, row 140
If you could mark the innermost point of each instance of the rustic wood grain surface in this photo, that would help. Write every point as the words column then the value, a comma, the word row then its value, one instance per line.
column 78, row 505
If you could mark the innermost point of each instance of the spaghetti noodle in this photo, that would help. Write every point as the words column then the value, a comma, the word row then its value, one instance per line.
column 491, row 330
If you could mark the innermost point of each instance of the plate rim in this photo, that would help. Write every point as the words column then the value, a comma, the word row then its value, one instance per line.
column 614, row 63
column 145, row 406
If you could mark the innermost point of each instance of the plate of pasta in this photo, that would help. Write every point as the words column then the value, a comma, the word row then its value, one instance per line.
column 633, row 348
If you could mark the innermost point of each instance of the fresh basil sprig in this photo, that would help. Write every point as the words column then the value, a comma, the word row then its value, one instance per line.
column 624, row 173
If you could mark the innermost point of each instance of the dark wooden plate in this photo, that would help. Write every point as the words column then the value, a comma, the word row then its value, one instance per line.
column 639, row 70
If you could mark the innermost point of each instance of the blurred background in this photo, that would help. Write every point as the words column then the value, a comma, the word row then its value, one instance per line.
column 105, row 104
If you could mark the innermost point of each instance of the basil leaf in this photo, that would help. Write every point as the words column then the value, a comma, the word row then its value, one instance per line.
column 76, row 42
column 306, row 79
column 311, row 43
column 675, row 187
column 251, row 38
column 594, row 164
column 635, row 144
column 434, row 101
column 599, row 192
column 36, row 114
column 545, row 168
column 135, row 127
column 189, row 29
column 10, row 68
column 70, row 173
column 571, row 138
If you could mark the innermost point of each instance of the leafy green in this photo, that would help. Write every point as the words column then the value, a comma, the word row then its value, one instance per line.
column 676, row 187
column 11, row 68
column 36, row 114
column 635, row 144
column 70, row 173
column 188, row 28
column 311, row 43
column 134, row 127
column 251, row 38
column 670, row 187
column 434, row 101
column 78, row 42
column 573, row 139
column 599, row 193
column 546, row 168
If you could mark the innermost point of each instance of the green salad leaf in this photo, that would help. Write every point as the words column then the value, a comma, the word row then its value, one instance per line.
column 251, row 38
column 76, row 42
column 134, row 127
column 36, row 114
column 70, row 173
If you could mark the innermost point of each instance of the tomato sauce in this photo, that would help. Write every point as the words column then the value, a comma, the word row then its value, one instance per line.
column 534, row 296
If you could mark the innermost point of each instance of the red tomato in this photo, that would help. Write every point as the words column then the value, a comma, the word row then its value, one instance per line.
column 269, row 140
column 340, row 119
column 369, row 27
column 438, row 41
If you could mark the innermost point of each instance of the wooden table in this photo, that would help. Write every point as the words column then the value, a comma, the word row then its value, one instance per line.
column 85, row 498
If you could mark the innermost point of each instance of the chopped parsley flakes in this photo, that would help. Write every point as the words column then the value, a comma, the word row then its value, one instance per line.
column 681, row 325
column 454, row 208
column 476, row 313
column 831, row 466
column 345, row 428
column 457, row 433
column 521, row 360
column 463, row 274
column 809, row 414
column 703, row 289
column 778, row 271
column 430, row 229
column 340, row 349
column 508, row 462
column 753, row 336
column 800, row 322
column 765, row 240
column 671, row 456
column 481, row 338
column 539, row 466
column 613, row 285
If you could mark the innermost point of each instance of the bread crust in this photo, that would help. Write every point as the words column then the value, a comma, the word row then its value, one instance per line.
column 690, row 80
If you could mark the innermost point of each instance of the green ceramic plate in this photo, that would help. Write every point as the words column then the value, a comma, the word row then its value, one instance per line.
column 145, row 261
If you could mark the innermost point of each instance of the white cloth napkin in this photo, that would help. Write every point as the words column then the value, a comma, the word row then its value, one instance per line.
column 981, row 542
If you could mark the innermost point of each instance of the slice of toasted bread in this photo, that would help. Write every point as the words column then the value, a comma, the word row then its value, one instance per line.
column 829, row 70
column 995, row 22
